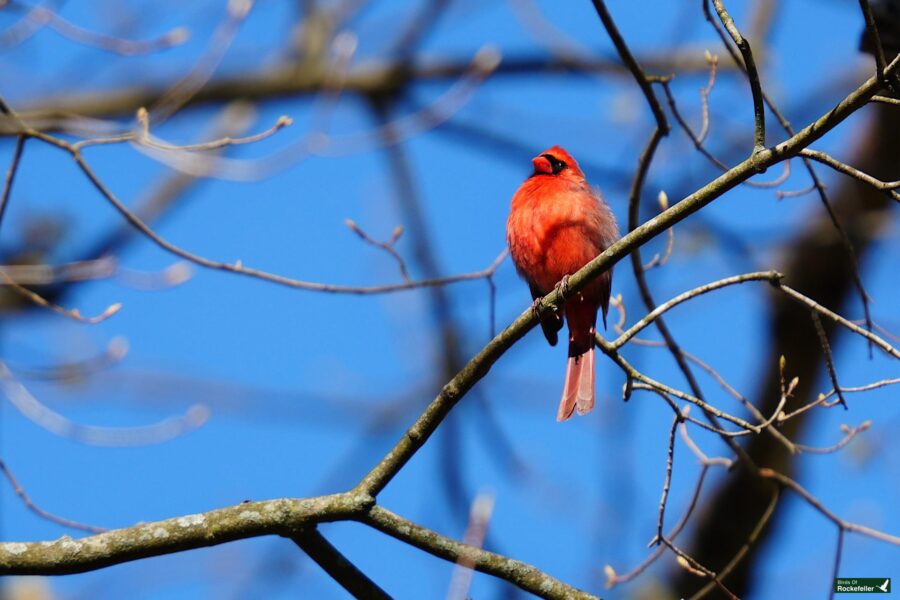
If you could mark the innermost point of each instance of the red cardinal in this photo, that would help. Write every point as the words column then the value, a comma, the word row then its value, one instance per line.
column 557, row 224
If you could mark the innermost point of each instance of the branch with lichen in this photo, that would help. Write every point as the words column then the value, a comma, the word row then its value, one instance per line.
column 291, row 518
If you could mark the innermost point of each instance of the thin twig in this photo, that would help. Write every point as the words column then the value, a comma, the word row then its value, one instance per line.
column 823, row 398
column 387, row 246
column 770, row 276
column 798, row 489
column 886, row 100
column 838, row 552
column 890, row 187
column 238, row 267
column 657, row 260
column 862, row 388
column 178, row 95
column 628, row 58
column 846, row 323
column 613, row 579
column 690, row 563
column 829, row 359
column 713, row 62
column 70, row 313
column 701, row 456
column 849, row 434
column 667, row 482
column 144, row 138
column 30, row 505
column 744, row 401
column 663, row 393
column 11, row 175
column 780, row 194
column 872, row 31
column 476, row 531
column 43, row 416
column 45, row 274
column 39, row 16
column 697, row 140
column 71, row 371
column 759, row 111
column 745, row 547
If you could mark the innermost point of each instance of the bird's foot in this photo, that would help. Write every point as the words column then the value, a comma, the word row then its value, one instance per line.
column 563, row 287
column 543, row 313
column 536, row 307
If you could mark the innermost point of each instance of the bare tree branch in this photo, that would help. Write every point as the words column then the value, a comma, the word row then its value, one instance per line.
column 337, row 566
column 759, row 110
column 30, row 505
column 523, row 575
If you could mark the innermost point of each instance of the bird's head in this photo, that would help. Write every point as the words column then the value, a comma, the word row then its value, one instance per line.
column 556, row 162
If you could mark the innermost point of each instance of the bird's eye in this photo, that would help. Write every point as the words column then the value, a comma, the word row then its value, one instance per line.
column 555, row 164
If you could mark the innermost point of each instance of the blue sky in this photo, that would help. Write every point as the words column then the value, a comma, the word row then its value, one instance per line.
column 293, row 379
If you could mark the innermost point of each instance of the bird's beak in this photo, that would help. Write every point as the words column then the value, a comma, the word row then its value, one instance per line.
column 542, row 165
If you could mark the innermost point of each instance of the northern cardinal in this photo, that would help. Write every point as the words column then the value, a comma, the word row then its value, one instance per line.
column 557, row 224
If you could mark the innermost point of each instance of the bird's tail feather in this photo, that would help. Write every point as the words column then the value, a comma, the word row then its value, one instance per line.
column 578, row 393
